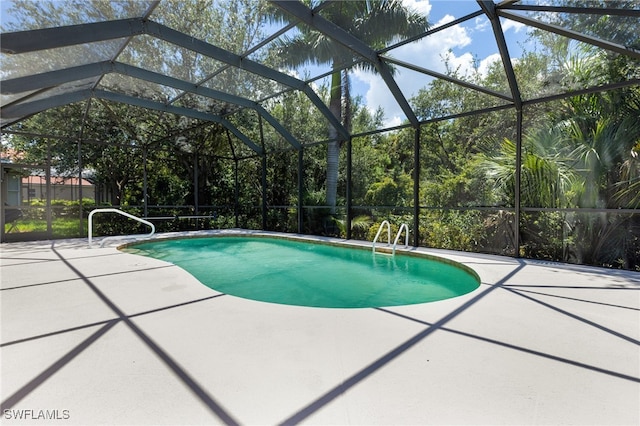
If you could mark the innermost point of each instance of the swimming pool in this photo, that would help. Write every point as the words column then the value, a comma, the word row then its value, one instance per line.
column 295, row 272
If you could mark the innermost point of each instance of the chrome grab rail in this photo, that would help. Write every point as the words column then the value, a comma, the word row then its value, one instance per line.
column 406, row 237
column 384, row 222
column 404, row 227
column 111, row 210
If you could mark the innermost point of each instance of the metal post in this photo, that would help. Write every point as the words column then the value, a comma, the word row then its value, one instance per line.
column 263, row 176
column 195, row 186
column 517, row 182
column 144, row 181
column 300, row 189
column 47, row 174
column 80, row 227
column 236, row 191
column 2, row 192
column 264, row 191
column 80, row 165
column 416, row 188
column 349, row 189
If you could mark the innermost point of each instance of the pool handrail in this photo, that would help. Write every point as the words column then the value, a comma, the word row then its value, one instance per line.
column 112, row 210
column 406, row 237
column 384, row 222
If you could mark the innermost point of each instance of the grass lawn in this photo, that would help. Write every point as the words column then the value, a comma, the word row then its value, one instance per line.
column 61, row 227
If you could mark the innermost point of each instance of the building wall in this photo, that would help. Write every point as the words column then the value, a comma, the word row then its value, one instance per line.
column 35, row 188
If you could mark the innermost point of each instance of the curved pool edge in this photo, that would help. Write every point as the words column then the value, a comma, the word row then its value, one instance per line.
column 317, row 239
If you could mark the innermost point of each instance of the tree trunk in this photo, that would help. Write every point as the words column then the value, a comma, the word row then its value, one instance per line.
column 115, row 191
column 333, row 148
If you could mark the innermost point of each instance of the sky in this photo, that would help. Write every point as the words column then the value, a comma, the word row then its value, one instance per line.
column 473, row 39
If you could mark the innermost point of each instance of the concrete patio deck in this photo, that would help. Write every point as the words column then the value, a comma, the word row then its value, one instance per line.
column 99, row 336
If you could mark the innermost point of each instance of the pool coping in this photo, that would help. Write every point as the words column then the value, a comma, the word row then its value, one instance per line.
column 386, row 249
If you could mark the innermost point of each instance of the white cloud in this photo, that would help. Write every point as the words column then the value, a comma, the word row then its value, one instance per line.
column 481, row 23
column 455, row 36
column 421, row 6
column 429, row 53
column 452, row 44
column 483, row 66
column 378, row 95
column 508, row 24
column 463, row 63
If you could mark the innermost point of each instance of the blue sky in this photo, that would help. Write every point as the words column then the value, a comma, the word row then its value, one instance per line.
column 463, row 44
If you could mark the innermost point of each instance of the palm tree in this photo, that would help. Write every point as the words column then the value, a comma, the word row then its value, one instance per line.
column 546, row 180
column 376, row 23
column 546, row 175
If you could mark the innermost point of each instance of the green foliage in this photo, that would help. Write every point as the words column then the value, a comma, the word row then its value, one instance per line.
column 546, row 177
column 395, row 220
column 544, row 235
column 604, row 239
column 390, row 191
column 455, row 230
column 360, row 227
column 463, row 189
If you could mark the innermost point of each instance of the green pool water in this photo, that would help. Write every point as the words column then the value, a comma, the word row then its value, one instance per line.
column 308, row 274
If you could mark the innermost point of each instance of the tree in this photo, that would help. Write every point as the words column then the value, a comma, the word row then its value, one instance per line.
column 584, row 156
column 120, row 131
column 547, row 177
column 376, row 23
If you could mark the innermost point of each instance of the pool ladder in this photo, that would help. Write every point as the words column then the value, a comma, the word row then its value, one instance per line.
column 404, row 227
